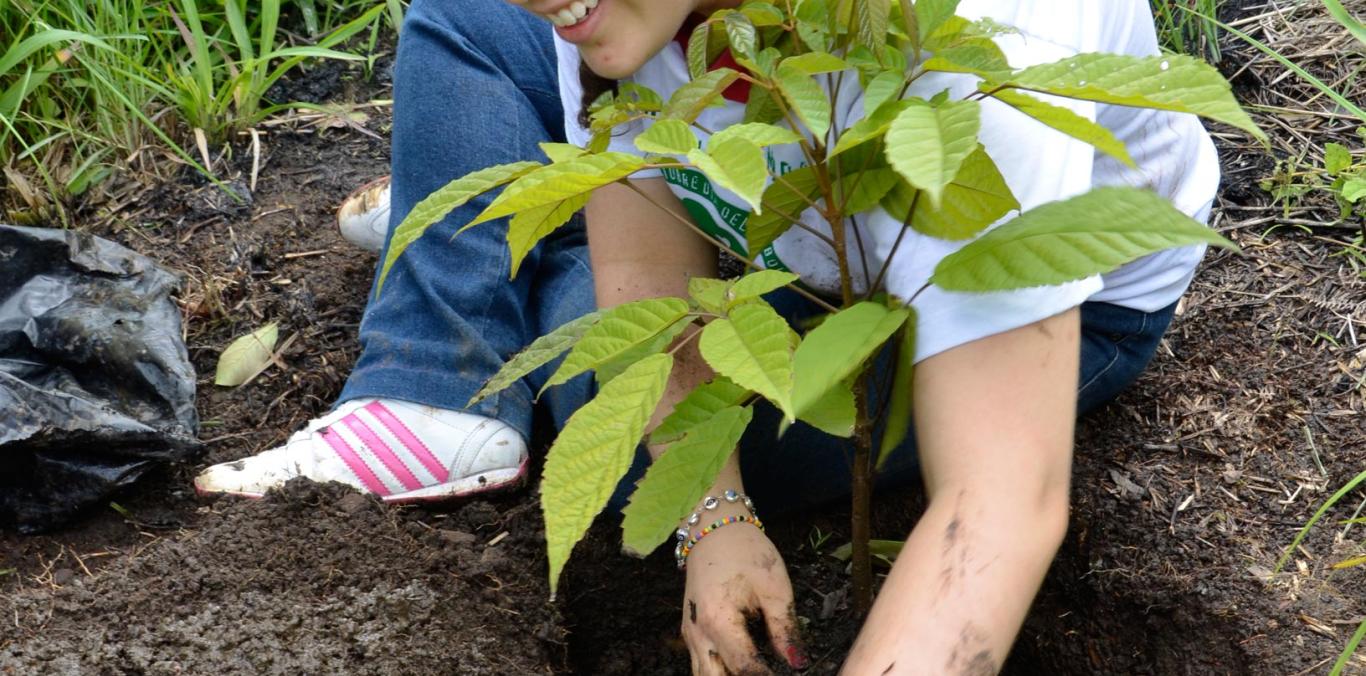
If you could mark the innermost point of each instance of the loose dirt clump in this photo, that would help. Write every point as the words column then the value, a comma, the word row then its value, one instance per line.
column 316, row 579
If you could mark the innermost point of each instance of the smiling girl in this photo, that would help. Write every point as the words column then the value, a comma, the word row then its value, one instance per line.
column 998, row 373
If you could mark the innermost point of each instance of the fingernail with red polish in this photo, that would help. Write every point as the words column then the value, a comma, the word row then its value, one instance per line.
column 797, row 658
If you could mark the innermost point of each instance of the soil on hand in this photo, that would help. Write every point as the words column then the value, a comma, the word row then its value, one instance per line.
column 1186, row 489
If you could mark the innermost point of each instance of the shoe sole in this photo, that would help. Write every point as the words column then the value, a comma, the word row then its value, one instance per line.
column 492, row 481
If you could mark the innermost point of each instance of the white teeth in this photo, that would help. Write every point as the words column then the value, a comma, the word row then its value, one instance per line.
column 572, row 14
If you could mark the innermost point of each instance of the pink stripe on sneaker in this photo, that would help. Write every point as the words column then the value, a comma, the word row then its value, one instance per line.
column 382, row 451
column 357, row 465
column 410, row 441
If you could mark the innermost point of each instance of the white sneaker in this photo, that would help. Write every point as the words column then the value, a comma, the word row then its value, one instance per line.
column 399, row 451
column 363, row 217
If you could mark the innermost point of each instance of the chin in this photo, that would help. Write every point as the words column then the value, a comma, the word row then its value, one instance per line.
column 612, row 67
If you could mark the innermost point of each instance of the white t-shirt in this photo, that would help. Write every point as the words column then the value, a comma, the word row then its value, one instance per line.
column 1174, row 154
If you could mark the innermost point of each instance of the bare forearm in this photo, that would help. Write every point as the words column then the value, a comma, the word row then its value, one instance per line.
column 960, row 589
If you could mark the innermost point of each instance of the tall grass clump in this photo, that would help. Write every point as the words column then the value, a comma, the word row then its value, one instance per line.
column 92, row 87
column 1185, row 32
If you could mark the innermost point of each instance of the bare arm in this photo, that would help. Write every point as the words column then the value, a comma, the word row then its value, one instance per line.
column 998, row 503
column 638, row 252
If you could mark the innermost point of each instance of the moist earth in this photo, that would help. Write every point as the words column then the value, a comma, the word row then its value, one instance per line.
column 1187, row 489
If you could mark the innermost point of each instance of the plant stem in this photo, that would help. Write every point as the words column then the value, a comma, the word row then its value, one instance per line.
column 861, row 561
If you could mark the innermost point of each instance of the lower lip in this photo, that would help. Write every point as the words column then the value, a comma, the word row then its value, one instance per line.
column 581, row 31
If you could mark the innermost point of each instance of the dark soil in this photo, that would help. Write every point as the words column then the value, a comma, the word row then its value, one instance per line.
column 1186, row 491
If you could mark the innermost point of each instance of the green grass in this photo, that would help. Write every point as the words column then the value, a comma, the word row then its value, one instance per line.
column 1186, row 33
column 90, row 87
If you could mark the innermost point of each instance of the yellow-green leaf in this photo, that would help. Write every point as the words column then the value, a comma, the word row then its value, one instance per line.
column 435, row 206
column 870, row 127
column 559, row 152
column 670, row 137
column 593, row 452
column 691, row 99
column 901, row 403
column 981, row 57
column 834, row 351
column 698, row 407
column 1069, row 123
column 807, row 99
column 1174, row 82
column 759, row 134
column 539, row 353
column 927, row 145
column 527, row 228
column 710, row 294
column 977, row 197
column 560, row 181
column 932, row 14
column 1072, row 239
column 247, row 356
column 756, row 284
column 735, row 164
column 784, row 199
column 752, row 349
column 604, row 373
column 679, row 479
column 885, row 86
column 815, row 63
column 620, row 329
column 835, row 413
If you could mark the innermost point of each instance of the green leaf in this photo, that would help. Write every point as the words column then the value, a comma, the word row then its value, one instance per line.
column 606, row 372
column 698, row 59
column 527, row 228
column 691, row 99
column 737, row 165
column 975, row 199
column 870, row 127
column 1336, row 158
column 744, row 40
column 247, row 356
column 436, row 205
column 1069, row 123
column 593, row 452
column 559, row 152
column 679, row 479
column 756, row 284
column 815, row 63
column 1174, row 82
column 931, row 14
column 762, row 107
column 982, row 58
column 911, row 23
column 539, row 353
column 870, row 22
column 1354, row 190
column 885, row 86
column 835, row 413
column 669, row 137
column 927, row 145
column 833, row 351
column 763, row 14
column 752, row 349
column 784, row 199
column 1072, row 239
column 1353, row 26
column 861, row 191
column 710, row 294
column 560, row 181
column 807, row 99
column 901, row 403
column 697, row 408
column 620, row 329
column 759, row 134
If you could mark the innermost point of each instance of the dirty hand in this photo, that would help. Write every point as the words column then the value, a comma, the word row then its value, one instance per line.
column 733, row 574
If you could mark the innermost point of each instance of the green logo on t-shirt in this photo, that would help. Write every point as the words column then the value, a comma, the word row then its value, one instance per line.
column 717, row 216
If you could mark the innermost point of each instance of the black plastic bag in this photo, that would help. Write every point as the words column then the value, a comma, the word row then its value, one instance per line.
column 95, row 383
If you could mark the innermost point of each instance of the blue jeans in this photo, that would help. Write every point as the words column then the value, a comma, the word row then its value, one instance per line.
column 475, row 85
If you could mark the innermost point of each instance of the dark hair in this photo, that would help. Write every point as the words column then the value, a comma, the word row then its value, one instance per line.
column 593, row 85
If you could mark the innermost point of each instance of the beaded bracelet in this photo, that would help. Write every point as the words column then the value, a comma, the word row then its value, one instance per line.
column 682, row 550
